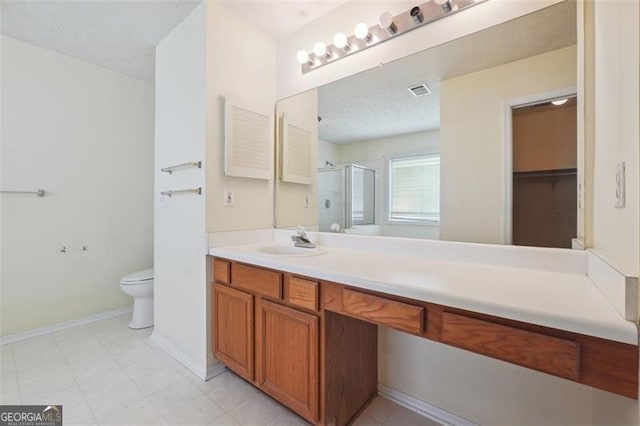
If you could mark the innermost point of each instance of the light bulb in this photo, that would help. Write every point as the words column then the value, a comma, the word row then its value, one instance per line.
column 302, row 56
column 319, row 49
column 362, row 31
column 340, row 41
column 386, row 22
column 559, row 102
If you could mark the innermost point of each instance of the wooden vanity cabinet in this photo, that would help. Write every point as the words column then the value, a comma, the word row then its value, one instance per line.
column 233, row 329
column 313, row 345
column 287, row 356
column 275, row 347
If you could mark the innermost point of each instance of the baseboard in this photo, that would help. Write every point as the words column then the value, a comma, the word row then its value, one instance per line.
column 166, row 345
column 215, row 370
column 423, row 408
column 12, row 338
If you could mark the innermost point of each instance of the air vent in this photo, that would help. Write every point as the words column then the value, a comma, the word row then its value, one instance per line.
column 419, row 90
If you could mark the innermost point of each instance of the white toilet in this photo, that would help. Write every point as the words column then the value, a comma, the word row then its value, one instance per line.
column 139, row 285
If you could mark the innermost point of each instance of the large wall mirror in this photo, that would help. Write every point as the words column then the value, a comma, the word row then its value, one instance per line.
column 473, row 140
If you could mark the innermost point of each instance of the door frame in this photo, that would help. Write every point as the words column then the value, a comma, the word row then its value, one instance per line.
column 507, row 149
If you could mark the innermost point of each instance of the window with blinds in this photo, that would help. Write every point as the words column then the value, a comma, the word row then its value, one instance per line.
column 414, row 188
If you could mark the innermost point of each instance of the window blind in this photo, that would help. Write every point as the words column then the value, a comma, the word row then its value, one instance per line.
column 414, row 188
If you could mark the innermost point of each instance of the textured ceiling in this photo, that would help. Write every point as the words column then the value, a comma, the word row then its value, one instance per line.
column 376, row 103
column 280, row 18
column 122, row 34
column 119, row 35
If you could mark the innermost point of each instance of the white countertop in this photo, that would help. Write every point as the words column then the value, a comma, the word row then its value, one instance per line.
column 566, row 301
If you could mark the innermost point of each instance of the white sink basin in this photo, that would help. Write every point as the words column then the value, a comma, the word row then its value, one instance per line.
column 291, row 251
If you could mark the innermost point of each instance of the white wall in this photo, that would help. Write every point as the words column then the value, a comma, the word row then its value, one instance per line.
column 374, row 154
column 240, row 61
column 196, row 66
column 85, row 135
column 615, row 230
column 472, row 138
column 180, row 263
column 344, row 18
column 327, row 151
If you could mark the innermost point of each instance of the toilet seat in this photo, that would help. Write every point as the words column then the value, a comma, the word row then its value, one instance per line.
column 140, row 277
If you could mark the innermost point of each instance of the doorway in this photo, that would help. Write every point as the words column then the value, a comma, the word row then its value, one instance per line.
column 544, row 177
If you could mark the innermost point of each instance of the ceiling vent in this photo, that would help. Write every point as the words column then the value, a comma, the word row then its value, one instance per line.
column 419, row 90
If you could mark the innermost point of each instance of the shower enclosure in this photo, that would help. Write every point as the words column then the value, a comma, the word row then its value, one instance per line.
column 346, row 196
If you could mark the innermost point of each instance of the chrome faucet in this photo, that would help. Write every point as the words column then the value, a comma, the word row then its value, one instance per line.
column 300, row 239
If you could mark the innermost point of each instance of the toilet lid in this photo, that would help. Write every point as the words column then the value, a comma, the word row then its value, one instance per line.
column 136, row 277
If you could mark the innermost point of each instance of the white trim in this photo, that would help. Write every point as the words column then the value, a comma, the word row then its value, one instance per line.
column 164, row 344
column 619, row 288
column 12, row 338
column 423, row 408
column 215, row 370
column 507, row 145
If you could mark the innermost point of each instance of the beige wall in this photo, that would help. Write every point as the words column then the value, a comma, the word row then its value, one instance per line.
column 472, row 133
column 300, row 111
column 84, row 134
column 241, row 60
column 615, row 230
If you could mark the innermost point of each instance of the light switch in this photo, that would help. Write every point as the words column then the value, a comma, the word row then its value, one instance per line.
column 620, row 185
column 228, row 197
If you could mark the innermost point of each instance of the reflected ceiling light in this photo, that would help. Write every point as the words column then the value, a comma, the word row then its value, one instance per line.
column 303, row 57
column 416, row 15
column 559, row 102
column 386, row 23
column 321, row 50
column 340, row 41
column 361, row 31
column 446, row 5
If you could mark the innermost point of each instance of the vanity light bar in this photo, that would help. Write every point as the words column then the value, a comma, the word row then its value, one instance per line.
column 388, row 28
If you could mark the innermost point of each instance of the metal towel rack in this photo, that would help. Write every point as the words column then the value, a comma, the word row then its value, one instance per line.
column 183, row 191
column 187, row 165
column 38, row 192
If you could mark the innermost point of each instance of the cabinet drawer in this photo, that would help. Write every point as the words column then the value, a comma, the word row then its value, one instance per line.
column 398, row 315
column 257, row 280
column 300, row 292
column 538, row 351
column 221, row 271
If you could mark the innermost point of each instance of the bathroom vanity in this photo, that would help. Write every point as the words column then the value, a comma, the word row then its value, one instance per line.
column 303, row 329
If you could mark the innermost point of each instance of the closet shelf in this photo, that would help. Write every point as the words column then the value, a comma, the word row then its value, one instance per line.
column 545, row 173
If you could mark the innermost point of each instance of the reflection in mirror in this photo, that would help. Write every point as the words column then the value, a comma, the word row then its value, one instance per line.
column 432, row 134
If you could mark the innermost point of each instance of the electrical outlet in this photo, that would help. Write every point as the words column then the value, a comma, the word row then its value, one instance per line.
column 228, row 198
column 307, row 200
column 620, row 185
column 164, row 200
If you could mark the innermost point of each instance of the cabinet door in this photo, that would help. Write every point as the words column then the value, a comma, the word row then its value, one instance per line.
column 233, row 329
column 287, row 357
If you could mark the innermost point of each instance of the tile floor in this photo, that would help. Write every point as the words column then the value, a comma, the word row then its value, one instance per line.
column 105, row 373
